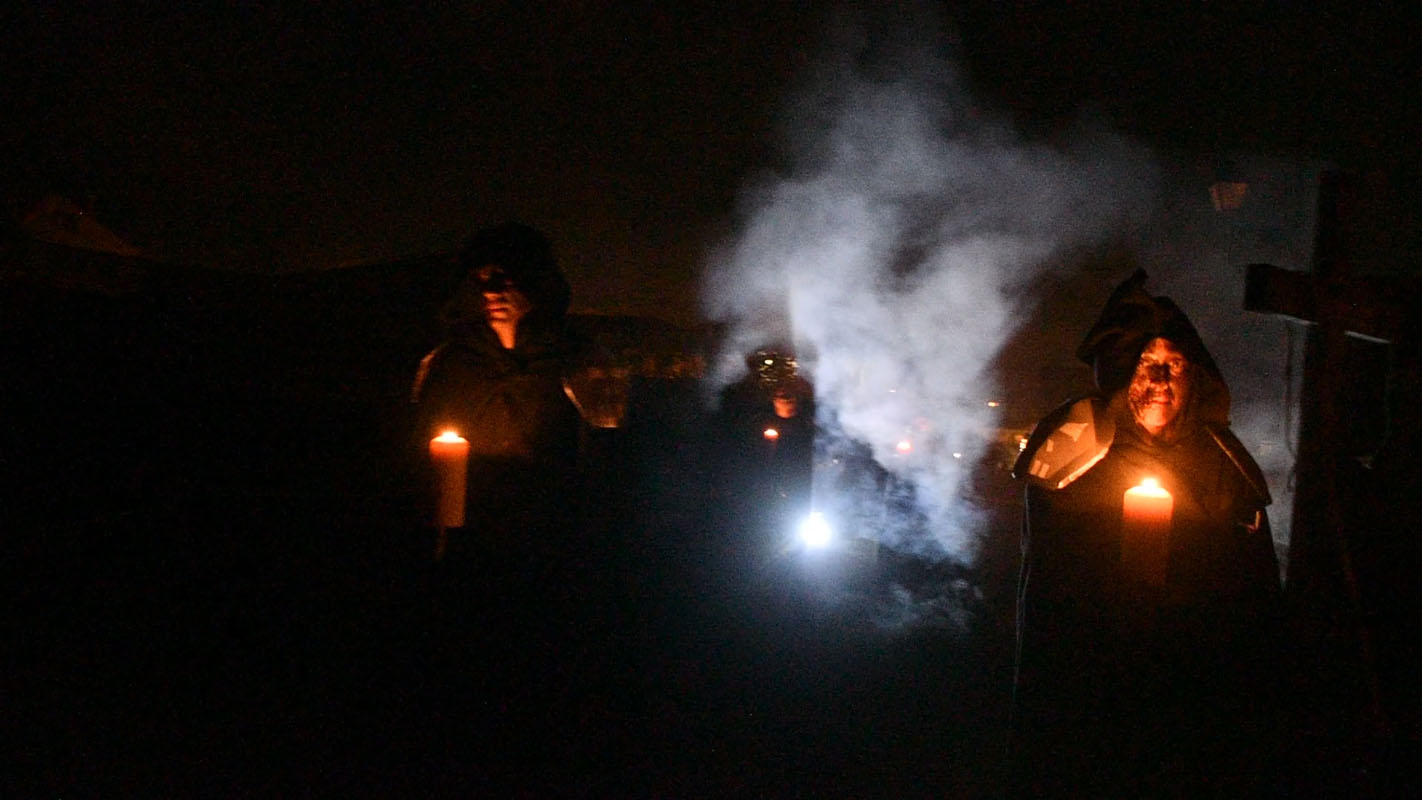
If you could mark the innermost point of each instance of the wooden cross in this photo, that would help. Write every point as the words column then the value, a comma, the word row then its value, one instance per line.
column 1339, row 305
column 1322, row 579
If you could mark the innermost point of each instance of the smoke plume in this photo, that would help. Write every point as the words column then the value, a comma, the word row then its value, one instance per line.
column 909, row 234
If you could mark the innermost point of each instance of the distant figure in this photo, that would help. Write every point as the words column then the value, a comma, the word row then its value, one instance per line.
column 1140, row 674
column 790, row 430
column 767, row 427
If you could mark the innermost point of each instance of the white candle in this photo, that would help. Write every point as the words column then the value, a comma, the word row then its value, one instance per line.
column 1145, row 531
column 450, row 453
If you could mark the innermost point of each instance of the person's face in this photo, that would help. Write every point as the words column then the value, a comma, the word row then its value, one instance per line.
column 1160, row 387
column 786, row 405
column 503, row 302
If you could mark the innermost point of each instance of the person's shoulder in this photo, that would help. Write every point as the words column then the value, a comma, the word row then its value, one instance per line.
column 455, row 361
column 1066, row 443
column 453, row 354
column 428, row 365
column 1243, row 463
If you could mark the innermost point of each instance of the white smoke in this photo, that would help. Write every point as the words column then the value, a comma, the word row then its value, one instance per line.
column 899, row 243
column 909, row 234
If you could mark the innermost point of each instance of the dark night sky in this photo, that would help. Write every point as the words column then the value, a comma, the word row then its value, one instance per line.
column 270, row 135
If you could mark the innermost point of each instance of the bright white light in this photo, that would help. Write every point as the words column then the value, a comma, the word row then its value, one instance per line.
column 957, row 455
column 815, row 531
column 904, row 446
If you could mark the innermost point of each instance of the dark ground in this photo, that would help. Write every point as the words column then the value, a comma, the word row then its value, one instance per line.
column 222, row 586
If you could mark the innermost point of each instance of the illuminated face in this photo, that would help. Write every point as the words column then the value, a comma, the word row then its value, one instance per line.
column 503, row 302
column 1160, row 387
column 786, row 405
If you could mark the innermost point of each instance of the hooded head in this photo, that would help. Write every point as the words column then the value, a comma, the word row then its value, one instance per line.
column 1133, row 320
column 520, row 256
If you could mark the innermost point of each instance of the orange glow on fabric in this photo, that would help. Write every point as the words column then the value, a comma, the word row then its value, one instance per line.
column 450, row 453
column 1145, row 531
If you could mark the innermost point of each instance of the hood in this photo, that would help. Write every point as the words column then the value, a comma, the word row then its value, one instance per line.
column 1131, row 319
column 527, row 258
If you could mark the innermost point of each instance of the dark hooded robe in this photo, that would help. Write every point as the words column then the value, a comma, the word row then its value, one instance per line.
column 511, row 404
column 521, row 607
column 1129, row 687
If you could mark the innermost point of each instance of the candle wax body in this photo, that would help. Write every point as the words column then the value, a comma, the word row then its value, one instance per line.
column 1145, row 533
column 451, row 463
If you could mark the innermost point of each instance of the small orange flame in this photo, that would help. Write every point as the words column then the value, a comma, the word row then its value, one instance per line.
column 771, row 434
column 1150, row 487
column 449, row 436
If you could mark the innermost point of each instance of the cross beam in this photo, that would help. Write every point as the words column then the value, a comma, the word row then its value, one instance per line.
column 1371, row 307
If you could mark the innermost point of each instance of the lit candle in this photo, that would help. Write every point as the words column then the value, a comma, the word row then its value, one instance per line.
column 450, row 453
column 1145, row 531
column 771, row 434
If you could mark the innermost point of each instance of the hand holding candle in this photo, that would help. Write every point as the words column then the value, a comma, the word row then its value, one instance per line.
column 1145, row 531
column 450, row 453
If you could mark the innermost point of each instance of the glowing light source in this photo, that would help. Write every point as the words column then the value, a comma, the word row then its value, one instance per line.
column 815, row 531
column 957, row 455
column 450, row 453
column 904, row 447
column 1145, row 531
column 993, row 404
column 770, row 434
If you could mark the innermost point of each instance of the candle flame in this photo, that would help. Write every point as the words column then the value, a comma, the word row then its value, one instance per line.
column 1149, row 487
column 449, row 436
column 771, row 434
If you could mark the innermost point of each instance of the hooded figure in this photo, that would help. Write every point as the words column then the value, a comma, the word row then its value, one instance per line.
column 524, row 608
column 1144, row 646
column 498, row 380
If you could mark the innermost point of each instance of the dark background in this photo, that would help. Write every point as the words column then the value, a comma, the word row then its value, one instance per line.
column 214, row 514
column 271, row 137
